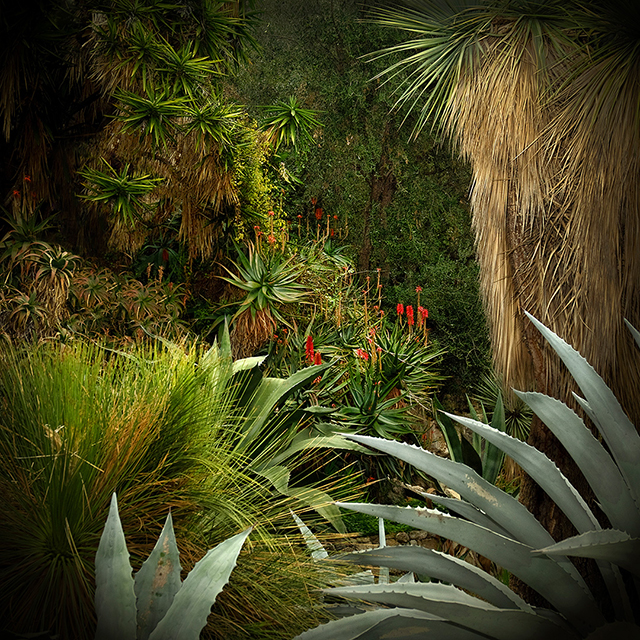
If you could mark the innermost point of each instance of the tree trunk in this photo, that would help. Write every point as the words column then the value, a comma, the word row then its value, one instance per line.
column 382, row 187
column 552, row 379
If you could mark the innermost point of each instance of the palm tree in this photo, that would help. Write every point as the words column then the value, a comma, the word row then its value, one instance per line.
column 542, row 97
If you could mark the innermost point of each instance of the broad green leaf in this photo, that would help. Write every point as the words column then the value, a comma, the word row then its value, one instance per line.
column 617, row 430
column 307, row 440
column 245, row 364
column 322, row 503
column 499, row 506
column 470, row 455
column 191, row 606
column 441, row 566
column 466, row 611
column 315, row 498
column 617, row 547
column 596, row 464
column 567, row 593
column 493, row 456
column 408, row 624
column 542, row 470
column 115, row 598
column 270, row 392
column 158, row 581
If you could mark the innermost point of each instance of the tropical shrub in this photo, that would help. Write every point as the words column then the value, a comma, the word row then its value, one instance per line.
column 474, row 604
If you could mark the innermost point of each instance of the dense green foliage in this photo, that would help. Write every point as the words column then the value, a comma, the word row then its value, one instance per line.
column 401, row 204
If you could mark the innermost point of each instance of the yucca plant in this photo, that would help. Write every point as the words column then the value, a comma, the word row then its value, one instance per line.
column 288, row 123
column 469, row 603
column 123, row 191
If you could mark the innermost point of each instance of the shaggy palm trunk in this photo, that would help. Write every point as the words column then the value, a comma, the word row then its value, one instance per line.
column 545, row 248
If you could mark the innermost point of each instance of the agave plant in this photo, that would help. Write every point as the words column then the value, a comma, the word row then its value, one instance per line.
column 157, row 604
column 472, row 603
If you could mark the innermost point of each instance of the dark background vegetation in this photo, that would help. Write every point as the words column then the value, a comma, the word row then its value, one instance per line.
column 401, row 203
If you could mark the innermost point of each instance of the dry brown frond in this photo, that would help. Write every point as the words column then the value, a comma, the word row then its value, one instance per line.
column 555, row 204
column 249, row 333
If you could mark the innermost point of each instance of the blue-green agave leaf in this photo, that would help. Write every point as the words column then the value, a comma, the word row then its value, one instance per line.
column 468, row 511
column 157, row 581
column 191, row 606
column 499, row 506
column 115, row 598
column 453, row 604
column 441, row 566
column 408, row 624
column 596, row 464
column 542, row 470
column 318, row 552
column 617, row 430
column 611, row 545
column 567, row 592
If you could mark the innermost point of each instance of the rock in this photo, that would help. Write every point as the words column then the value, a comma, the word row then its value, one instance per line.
column 428, row 543
column 402, row 537
column 418, row 534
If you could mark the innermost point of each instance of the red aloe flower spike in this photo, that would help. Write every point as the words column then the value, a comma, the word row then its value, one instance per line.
column 317, row 359
column 270, row 213
column 400, row 308
column 318, row 214
column 309, row 348
column 410, row 315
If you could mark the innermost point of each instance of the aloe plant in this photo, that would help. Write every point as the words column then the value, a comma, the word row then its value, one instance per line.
column 476, row 605
column 156, row 604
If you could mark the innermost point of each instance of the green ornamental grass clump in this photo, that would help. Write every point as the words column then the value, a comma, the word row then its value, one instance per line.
column 166, row 427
